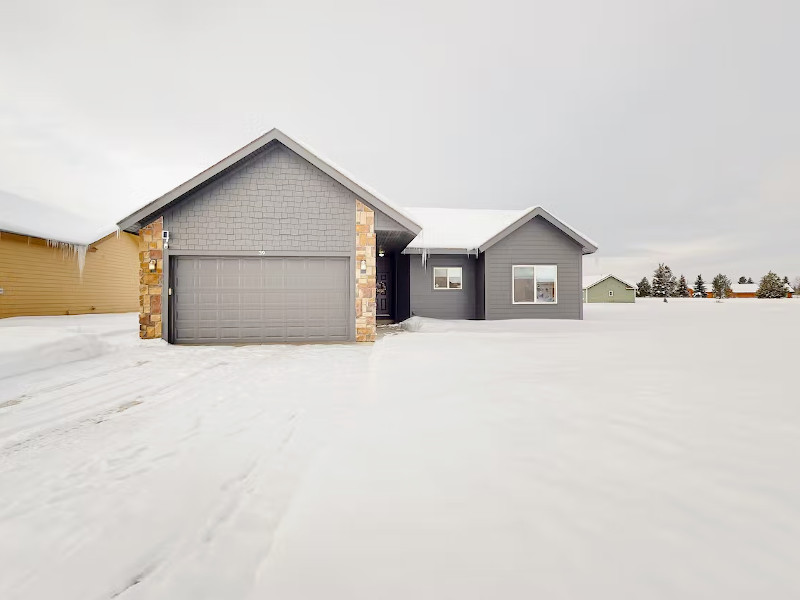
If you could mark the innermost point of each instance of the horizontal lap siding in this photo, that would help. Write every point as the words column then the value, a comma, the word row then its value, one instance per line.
column 442, row 304
column 536, row 242
column 38, row 279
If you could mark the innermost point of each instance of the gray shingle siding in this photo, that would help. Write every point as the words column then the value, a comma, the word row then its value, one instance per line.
column 275, row 201
column 536, row 242
column 442, row 304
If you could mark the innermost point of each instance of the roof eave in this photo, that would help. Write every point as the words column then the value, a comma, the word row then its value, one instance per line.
column 440, row 251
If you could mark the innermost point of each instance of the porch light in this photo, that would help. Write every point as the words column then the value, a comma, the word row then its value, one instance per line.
column 152, row 266
column 381, row 252
column 363, row 266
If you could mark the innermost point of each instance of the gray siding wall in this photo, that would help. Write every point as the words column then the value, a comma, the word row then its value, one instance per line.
column 442, row 304
column 480, row 287
column 276, row 201
column 536, row 242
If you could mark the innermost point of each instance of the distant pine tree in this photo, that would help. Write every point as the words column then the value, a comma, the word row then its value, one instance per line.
column 721, row 286
column 643, row 290
column 683, row 289
column 664, row 282
column 749, row 280
column 785, row 279
column 700, row 285
column 743, row 279
column 771, row 286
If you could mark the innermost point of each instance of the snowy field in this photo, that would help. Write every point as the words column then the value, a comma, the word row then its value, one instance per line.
column 650, row 451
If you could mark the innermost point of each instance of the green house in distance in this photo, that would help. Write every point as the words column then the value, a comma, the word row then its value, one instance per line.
column 608, row 288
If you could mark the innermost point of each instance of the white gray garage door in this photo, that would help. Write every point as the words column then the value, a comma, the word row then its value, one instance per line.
column 260, row 299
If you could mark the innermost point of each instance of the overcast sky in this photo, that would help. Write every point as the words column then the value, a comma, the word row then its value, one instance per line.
column 664, row 130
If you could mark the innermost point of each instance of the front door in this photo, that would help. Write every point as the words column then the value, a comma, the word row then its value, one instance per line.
column 383, row 287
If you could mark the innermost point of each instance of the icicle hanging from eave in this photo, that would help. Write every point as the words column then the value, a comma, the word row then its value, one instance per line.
column 423, row 251
column 68, row 249
column 80, row 250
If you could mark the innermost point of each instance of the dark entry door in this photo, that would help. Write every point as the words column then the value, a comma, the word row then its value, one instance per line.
column 383, row 287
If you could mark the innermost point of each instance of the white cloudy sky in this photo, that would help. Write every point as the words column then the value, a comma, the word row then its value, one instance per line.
column 664, row 130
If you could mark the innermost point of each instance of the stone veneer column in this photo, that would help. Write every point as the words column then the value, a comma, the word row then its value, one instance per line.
column 365, row 279
column 151, row 247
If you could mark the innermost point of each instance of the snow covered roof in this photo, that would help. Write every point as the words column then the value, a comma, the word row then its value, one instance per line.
column 472, row 229
column 459, row 228
column 744, row 288
column 139, row 218
column 750, row 288
column 591, row 280
column 28, row 217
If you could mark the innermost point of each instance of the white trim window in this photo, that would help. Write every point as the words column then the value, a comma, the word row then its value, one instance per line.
column 534, row 284
column 447, row 278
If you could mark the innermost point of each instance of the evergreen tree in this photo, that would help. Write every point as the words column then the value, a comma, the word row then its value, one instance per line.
column 683, row 289
column 721, row 286
column 664, row 282
column 749, row 280
column 785, row 279
column 643, row 289
column 700, row 285
column 743, row 279
column 771, row 286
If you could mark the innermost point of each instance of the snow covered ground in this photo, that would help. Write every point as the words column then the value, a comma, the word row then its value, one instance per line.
column 649, row 451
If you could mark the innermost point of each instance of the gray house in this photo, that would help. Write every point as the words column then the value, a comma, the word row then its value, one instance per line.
column 275, row 244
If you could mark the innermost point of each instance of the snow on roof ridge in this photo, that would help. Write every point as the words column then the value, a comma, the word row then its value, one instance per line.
column 567, row 225
column 350, row 176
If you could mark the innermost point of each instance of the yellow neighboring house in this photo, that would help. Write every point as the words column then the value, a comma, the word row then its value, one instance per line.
column 55, row 263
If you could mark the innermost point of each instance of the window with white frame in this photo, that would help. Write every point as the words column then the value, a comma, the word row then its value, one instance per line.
column 610, row 293
column 447, row 278
column 535, row 284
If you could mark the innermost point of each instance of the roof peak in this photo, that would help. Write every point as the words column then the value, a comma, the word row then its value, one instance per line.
column 135, row 220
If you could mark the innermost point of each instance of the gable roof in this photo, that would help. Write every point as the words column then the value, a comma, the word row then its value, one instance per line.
column 134, row 221
column 471, row 230
column 35, row 219
column 593, row 280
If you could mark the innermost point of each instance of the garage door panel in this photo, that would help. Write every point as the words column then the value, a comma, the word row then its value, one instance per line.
column 260, row 299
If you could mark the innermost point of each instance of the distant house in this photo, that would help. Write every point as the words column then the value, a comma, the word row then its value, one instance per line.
column 54, row 263
column 748, row 290
column 608, row 288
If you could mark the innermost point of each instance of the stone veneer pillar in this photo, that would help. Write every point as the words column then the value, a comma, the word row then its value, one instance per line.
column 151, row 248
column 365, row 278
